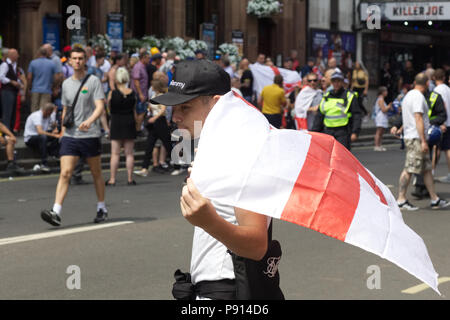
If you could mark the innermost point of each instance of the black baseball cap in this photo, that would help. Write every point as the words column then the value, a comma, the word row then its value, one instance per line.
column 193, row 79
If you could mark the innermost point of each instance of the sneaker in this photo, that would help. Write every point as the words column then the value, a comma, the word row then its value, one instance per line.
column 379, row 149
column 177, row 172
column 445, row 179
column 407, row 206
column 78, row 181
column 36, row 168
column 159, row 169
column 142, row 173
column 51, row 217
column 45, row 168
column 439, row 204
column 101, row 216
column 14, row 168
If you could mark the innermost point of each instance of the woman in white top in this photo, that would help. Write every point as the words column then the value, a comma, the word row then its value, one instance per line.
column 381, row 118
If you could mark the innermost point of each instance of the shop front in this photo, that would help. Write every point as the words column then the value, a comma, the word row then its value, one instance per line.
column 415, row 31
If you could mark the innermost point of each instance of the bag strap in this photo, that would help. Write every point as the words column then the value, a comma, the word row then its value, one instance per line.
column 74, row 103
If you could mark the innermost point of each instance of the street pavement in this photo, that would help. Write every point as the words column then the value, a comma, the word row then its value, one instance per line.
column 146, row 239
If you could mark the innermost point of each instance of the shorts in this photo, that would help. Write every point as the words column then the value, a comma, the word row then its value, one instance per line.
column 141, row 107
column 39, row 100
column 80, row 147
column 445, row 143
column 416, row 161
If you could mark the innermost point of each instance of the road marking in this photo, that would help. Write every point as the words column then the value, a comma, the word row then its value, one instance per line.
column 423, row 286
column 52, row 234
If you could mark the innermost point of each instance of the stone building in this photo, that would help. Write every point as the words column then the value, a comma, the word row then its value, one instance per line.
column 25, row 24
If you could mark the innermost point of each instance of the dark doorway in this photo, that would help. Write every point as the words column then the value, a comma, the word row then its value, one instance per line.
column 266, row 29
column 8, row 24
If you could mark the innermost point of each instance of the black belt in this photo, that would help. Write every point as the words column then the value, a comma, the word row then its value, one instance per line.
column 183, row 289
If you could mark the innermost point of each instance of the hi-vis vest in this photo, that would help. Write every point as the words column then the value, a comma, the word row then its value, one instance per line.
column 432, row 99
column 336, row 110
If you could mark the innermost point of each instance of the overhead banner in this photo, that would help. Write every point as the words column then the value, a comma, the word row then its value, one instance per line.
column 401, row 11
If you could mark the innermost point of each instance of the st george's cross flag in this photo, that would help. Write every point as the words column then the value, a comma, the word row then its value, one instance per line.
column 305, row 178
column 264, row 75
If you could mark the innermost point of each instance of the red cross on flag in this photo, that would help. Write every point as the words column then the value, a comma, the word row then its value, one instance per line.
column 305, row 178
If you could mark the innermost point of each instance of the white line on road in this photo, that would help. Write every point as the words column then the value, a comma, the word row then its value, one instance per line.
column 52, row 234
column 423, row 286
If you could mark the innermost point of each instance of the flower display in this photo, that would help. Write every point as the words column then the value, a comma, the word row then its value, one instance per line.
column 263, row 8
column 229, row 50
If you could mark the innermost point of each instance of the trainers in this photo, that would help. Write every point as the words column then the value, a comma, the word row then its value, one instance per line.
column 45, row 168
column 159, row 169
column 177, row 172
column 439, row 204
column 51, row 217
column 101, row 216
column 142, row 173
column 379, row 149
column 445, row 179
column 36, row 168
column 407, row 206
column 14, row 168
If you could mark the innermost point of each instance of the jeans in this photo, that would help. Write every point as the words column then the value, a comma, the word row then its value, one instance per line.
column 9, row 101
column 44, row 145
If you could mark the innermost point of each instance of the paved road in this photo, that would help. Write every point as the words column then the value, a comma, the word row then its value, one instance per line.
column 137, row 260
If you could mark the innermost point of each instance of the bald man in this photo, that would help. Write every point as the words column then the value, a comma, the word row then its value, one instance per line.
column 10, row 88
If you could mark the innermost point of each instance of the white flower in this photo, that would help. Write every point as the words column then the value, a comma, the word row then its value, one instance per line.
column 263, row 8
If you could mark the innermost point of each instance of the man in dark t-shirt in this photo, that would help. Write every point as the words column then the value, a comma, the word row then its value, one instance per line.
column 407, row 76
column 246, row 81
column 152, row 67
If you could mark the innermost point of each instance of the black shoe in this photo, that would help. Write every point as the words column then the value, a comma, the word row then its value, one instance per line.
column 14, row 168
column 101, row 216
column 132, row 183
column 110, row 184
column 51, row 217
column 78, row 181
column 159, row 169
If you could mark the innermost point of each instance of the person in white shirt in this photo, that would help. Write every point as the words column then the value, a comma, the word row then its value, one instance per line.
column 39, row 136
column 444, row 91
column 415, row 127
column 10, row 88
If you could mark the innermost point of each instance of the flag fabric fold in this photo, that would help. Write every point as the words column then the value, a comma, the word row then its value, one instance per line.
column 305, row 178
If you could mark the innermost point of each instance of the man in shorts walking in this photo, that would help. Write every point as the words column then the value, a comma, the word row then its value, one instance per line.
column 415, row 126
column 82, row 140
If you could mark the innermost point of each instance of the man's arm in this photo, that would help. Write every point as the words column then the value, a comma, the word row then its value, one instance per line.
column 41, row 132
column 418, row 117
column 139, row 91
column 247, row 239
column 99, row 108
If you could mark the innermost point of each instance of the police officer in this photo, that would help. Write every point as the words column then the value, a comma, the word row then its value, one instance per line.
column 339, row 112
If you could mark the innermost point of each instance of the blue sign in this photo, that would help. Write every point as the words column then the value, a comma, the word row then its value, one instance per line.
column 114, row 29
column 51, row 32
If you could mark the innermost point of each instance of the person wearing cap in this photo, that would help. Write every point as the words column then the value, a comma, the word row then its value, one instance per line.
column 196, row 87
column 339, row 113
column 199, row 54
column 152, row 67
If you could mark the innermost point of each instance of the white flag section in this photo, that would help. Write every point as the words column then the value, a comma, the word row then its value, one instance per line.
column 305, row 178
column 263, row 76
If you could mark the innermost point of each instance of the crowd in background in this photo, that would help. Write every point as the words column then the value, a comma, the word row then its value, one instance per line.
column 131, row 80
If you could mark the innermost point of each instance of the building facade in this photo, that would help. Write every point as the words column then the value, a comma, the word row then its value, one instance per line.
column 26, row 24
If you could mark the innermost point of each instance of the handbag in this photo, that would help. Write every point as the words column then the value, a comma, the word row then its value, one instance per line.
column 69, row 118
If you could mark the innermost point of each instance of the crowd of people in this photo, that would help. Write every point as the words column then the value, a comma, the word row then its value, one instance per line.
column 329, row 99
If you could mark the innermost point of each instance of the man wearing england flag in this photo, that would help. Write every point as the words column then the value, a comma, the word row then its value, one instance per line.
column 219, row 229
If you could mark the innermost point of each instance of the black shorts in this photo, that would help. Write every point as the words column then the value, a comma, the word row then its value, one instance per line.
column 80, row 147
column 445, row 143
